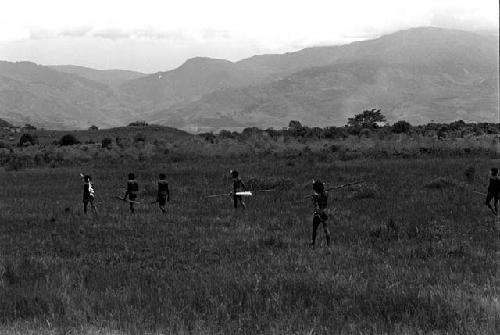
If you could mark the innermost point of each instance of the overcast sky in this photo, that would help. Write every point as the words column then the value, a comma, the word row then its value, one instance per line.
column 152, row 36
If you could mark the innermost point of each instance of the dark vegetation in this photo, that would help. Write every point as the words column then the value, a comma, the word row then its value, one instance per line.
column 414, row 251
column 365, row 135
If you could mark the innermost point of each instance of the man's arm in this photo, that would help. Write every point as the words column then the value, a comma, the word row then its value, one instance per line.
column 168, row 194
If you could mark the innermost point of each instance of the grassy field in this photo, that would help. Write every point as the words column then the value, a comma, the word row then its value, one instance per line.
column 406, row 258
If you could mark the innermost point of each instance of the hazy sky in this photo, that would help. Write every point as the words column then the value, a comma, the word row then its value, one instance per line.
column 152, row 36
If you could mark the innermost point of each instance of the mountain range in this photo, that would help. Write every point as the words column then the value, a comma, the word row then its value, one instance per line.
column 417, row 75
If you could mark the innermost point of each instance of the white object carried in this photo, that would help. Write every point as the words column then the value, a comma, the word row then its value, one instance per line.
column 244, row 193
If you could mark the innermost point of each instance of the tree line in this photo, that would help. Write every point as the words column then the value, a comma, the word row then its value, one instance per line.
column 366, row 124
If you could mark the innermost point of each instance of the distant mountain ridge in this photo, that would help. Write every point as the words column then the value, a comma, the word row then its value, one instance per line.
column 36, row 94
column 418, row 75
column 113, row 78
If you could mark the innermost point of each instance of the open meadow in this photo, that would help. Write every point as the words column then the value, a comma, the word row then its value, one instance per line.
column 414, row 250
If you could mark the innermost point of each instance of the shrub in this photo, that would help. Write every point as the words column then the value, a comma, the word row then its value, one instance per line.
column 401, row 127
column 295, row 129
column 139, row 123
column 225, row 134
column 68, row 139
column 208, row 137
column 28, row 139
column 106, row 143
column 442, row 132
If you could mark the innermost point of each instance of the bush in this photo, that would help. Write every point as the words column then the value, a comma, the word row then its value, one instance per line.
column 401, row 127
column 295, row 129
column 68, row 139
column 225, row 134
column 139, row 123
column 106, row 143
column 27, row 139
column 442, row 131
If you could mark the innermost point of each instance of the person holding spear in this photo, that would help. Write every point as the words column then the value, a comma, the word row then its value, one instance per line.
column 88, row 193
column 493, row 190
column 163, row 195
column 131, row 193
column 238, row 186
column 320, row 201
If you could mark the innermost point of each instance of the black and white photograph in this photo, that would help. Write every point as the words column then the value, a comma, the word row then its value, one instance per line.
column 273, row 167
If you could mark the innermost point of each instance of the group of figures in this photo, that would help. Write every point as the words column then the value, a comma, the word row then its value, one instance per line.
column 162, row 196
column 319, row 197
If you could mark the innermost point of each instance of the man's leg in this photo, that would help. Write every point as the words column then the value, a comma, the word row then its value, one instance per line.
column 235, row 201
column 489, row 197
column 161, row 203
column 316, row 221
column 327, row 232
column 495, row 201
column 85, row 203
column 92, row 205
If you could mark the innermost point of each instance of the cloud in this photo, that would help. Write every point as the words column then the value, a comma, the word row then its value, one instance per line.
column 40, row 33
column 75, row 31
column 111, row 33
column 463, row 16
column 215, row 34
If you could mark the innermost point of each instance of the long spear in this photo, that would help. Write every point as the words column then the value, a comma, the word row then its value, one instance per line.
column 127, row 200
column 244, row 193
column 338, row 187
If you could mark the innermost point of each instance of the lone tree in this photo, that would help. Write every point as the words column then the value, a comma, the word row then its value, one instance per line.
column 295, row 128
column 368, row 119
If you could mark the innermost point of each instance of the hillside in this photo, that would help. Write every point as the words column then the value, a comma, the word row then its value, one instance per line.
column 417, row 75
column 190, row 81
column 31, row 93
column 113, row 78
